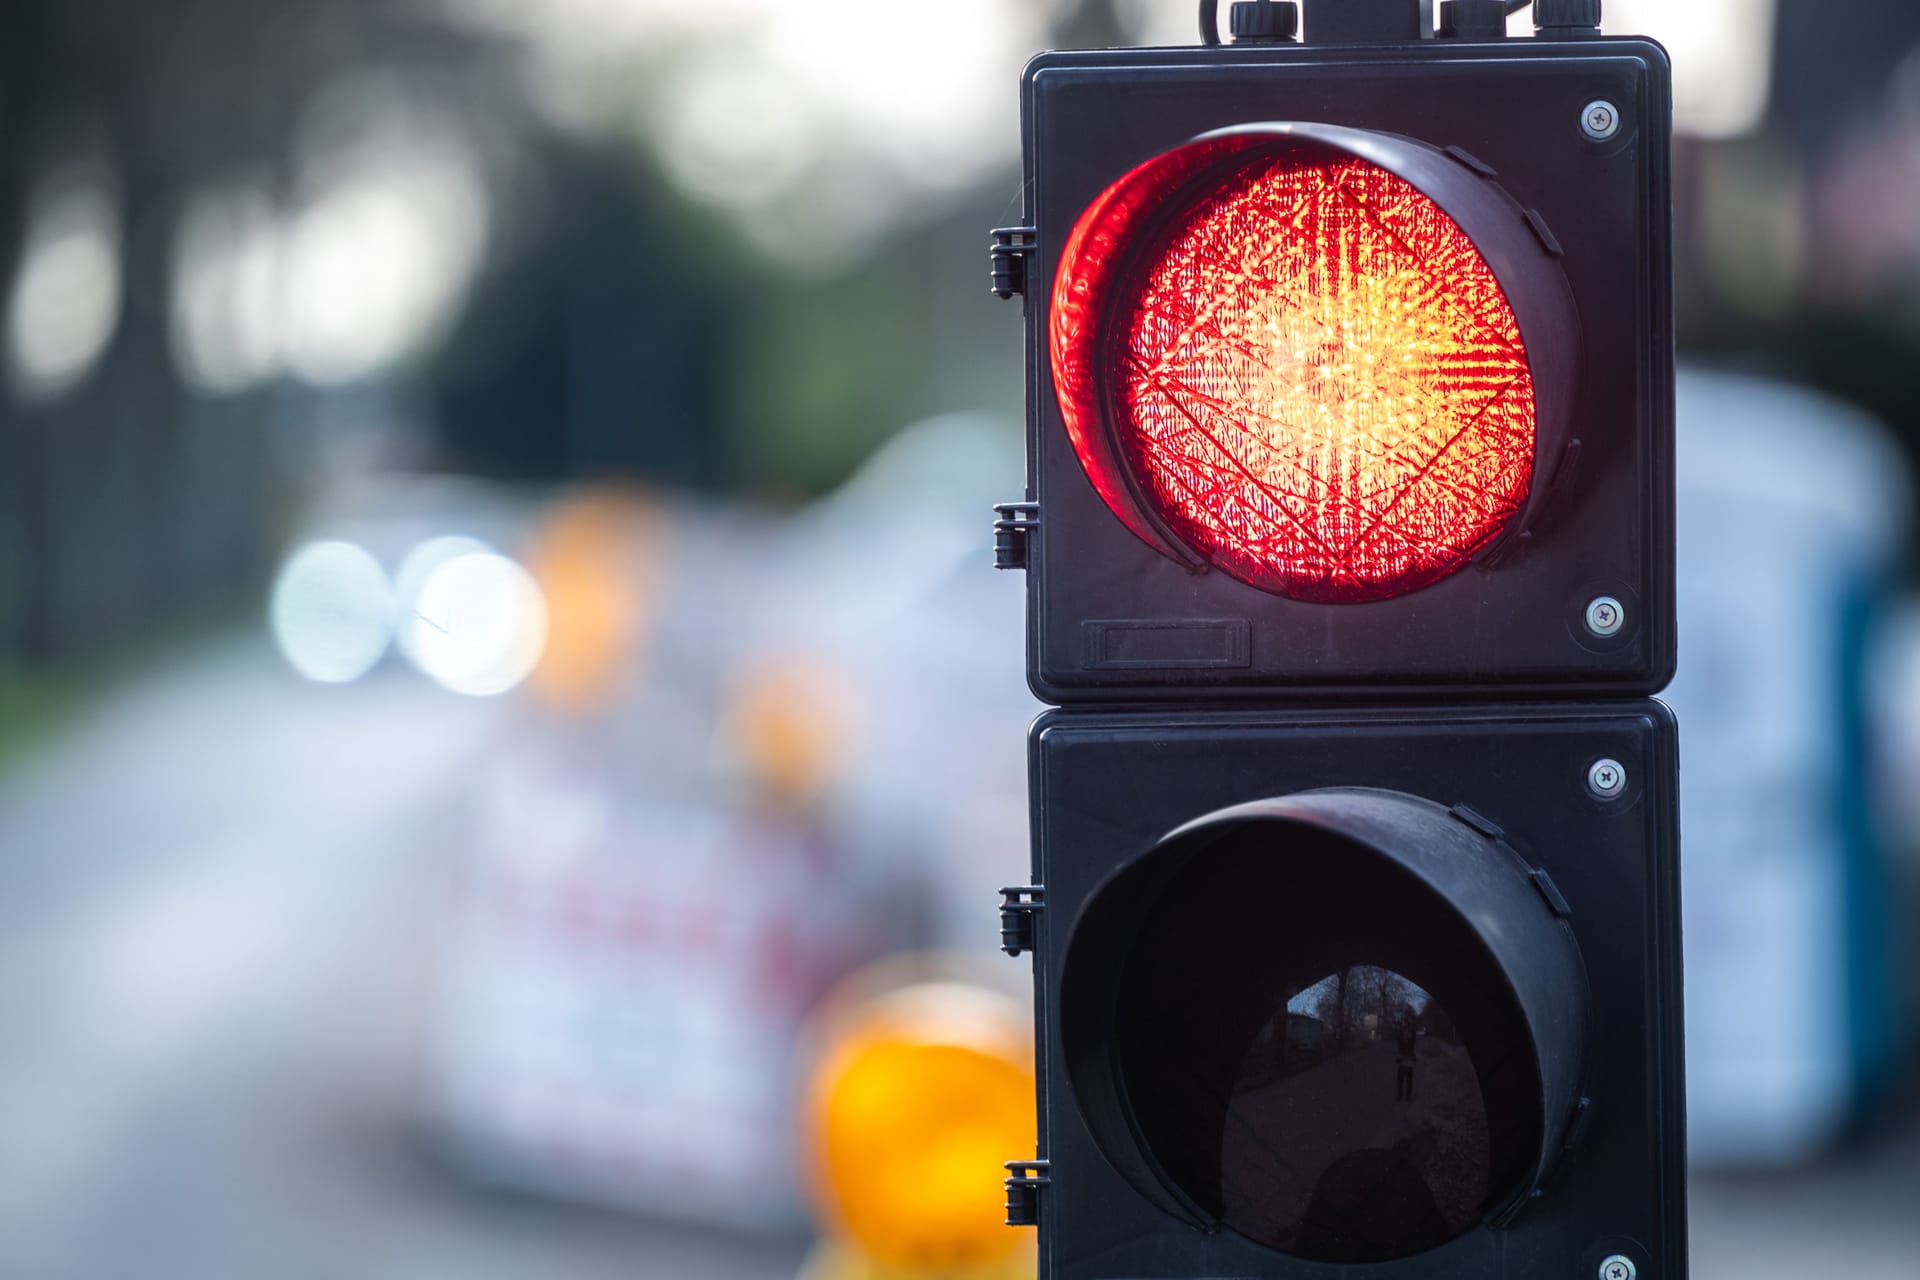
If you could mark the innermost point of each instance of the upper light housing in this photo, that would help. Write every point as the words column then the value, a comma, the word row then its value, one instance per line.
column 1376, row 408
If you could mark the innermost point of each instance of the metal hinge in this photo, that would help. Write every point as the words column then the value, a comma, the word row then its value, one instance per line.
column 1024, row 1180
column 1016, row 521
column 1007, row 257
column 1019, row 904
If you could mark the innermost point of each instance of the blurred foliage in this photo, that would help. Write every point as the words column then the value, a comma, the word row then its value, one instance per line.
column 823, row 370
column 30, row 704
column 1759, row 281
column 634, row 336
column 820, row 373
column 593, row 349
column 131, row 501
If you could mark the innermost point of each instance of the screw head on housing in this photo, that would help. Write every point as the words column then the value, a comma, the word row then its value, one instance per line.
column 1618, row 1267
column 1607, row 778
column 1605, row 616
column 1600, row 120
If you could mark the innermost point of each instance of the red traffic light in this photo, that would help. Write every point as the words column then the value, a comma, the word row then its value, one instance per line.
column 1348, row 537
column 1300, row 354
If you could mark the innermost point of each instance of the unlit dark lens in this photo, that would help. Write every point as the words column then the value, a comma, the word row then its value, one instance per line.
column 1319, row 1053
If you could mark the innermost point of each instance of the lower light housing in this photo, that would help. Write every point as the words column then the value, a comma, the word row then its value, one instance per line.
column 1210, row 880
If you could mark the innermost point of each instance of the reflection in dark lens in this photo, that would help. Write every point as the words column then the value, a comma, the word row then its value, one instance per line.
column 1320, row 1054
column 1386, row 1133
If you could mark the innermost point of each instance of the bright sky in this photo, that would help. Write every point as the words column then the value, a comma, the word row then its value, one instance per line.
column 816, row 124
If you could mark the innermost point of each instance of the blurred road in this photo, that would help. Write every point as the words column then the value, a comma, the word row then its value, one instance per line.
column 1855, row 1216
column 216, row 898
column 217, row 895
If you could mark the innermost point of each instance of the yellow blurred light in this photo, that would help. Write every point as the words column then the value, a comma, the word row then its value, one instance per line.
column 910, row 1115
column 600, row 558
column 792, row 720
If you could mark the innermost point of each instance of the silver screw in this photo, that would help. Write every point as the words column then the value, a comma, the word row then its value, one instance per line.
column 1605, row 616
column 1617, row 1267
column 1607, row 779
column 1600, row 120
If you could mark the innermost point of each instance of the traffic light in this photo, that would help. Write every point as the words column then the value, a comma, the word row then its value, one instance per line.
column 1349, row 552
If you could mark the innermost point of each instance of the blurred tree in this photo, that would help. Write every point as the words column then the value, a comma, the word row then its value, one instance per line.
column 623, row 334
column 127, row 498
column 1831, row 64
column 597, row 348
column 1798, row 253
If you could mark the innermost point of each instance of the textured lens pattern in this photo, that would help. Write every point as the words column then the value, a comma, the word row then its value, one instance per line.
column 1322, row 387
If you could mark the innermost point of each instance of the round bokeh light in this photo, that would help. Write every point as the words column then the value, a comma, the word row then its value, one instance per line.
column 1310, row 375
column 479, row 624
column 331, row 611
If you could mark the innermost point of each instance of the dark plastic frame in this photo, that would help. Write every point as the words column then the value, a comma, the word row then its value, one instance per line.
column 1108, row 787
column 1111, row 619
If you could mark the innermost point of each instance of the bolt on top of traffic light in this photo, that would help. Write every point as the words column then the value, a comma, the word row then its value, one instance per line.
column 1350, row 360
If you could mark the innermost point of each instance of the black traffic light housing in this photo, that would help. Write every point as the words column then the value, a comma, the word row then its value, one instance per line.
column 1188, row 875
column 1497, row 126
column 1355, row 920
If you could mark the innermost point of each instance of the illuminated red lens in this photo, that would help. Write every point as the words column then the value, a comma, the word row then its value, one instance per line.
column 1312, row 376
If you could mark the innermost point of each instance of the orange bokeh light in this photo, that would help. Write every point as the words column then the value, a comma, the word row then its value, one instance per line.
column 909, row 1116
column 1313, row 377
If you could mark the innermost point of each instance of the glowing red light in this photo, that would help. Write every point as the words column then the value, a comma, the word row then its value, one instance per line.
column 1311, row 377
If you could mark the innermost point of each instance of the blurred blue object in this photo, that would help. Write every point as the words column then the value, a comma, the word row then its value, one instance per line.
column 1793, row 514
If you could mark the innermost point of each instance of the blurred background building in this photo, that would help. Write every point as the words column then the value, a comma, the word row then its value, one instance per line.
column 496, row 621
